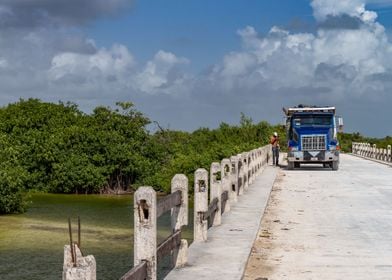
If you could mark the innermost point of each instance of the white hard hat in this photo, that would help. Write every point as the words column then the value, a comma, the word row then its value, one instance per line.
column 275, row 133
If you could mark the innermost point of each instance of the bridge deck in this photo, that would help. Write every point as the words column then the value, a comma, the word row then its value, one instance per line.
column 225, row 254
column 327, row 225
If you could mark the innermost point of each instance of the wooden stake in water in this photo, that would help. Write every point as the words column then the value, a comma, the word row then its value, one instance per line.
column 79, row 239
column 71, row 242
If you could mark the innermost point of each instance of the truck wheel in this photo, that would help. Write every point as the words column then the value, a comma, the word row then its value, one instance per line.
column 297, row 165
column 290, row 165
column 335, row 165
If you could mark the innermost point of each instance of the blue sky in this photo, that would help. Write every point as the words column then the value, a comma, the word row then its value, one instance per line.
column 202, row 30
column 197, row 63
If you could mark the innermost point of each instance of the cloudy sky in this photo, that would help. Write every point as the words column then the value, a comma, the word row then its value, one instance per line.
column 197, row 63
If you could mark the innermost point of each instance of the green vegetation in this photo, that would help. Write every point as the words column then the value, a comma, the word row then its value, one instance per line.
column 59, row 149
column 346, row 140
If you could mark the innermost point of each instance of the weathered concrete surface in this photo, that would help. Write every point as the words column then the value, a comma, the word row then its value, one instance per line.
column 225, row 253
column 321, row 224
column 85, row 269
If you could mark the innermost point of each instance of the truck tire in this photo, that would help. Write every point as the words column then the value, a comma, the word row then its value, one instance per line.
column 290, row 165
column 335, row 165
column 297, row 165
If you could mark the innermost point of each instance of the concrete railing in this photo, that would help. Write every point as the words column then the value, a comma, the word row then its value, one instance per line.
column 146, row 212
column 367, row 150
column 215, row 192
column 229, row 179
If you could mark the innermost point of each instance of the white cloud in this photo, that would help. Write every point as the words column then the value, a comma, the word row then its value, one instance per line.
column 347, row 61
column 354, row 8
column 284, row 60
column 116, row 62
column 160, row 74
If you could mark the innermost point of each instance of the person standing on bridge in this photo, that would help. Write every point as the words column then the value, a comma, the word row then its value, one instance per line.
column 275, row 149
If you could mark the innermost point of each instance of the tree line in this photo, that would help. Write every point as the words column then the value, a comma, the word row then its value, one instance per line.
column 58, row 148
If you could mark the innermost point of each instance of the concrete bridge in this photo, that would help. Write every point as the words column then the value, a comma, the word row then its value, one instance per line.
column 307, row 223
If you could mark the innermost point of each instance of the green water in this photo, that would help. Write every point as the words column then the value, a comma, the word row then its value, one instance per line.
column 31, row 244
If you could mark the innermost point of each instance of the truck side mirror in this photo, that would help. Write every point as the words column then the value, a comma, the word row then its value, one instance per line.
column 340, row 124
column 283, row 124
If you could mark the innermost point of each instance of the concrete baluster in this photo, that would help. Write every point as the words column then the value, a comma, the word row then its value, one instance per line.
column 374, row 151
column 245, row 171
column 226, row 181
column 256, row 161
column 179, row 218
column 216, row 191
column 145, row 235
column 369, row 150
column 240, row 175
column 234, row 180
column 254, row 165
column 249, row 161
column 355, row 148
column 201, row 205
column 389, row 157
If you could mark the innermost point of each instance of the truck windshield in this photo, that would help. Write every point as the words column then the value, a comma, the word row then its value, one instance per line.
column 307, row 120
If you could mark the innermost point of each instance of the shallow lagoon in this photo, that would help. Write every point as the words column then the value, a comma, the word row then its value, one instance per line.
column 31, row 244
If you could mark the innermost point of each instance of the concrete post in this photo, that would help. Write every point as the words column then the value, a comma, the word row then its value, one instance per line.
column 389, row 156
column 249, row 162
column 226, row 181
column 85, row 268
column 264, row 160
column 249, row 168
column 234, row 179
column 260, row 161
column 145, row 235
column 179, row 218
column 374, row 151
column 256, row 163
column 245, row 171
column 251, row 165
column 216, row 191
column 240, row 175
column 200, row 226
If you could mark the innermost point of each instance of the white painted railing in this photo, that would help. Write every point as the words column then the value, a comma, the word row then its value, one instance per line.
column 367, row 150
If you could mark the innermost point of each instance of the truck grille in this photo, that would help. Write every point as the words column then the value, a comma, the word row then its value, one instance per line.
column 313, row 142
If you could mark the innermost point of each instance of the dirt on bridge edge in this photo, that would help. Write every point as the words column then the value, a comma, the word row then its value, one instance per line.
column 260, row 265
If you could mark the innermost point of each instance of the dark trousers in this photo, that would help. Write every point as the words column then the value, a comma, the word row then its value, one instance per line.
column 275, row 155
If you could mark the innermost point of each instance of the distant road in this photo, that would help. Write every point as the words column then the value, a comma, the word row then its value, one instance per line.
column 323, row 224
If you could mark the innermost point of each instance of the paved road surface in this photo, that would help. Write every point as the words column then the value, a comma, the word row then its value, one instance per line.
column 321, row 224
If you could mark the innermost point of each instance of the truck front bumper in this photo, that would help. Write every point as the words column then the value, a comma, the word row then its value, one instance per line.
column 312, row 156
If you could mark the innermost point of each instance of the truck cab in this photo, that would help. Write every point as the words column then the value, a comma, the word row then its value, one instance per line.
column 312, row 136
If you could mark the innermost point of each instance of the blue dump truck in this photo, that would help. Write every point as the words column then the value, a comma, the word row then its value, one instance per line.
column 312, row 136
